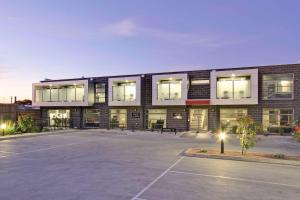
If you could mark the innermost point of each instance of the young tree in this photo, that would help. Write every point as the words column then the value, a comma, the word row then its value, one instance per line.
column 247, row 129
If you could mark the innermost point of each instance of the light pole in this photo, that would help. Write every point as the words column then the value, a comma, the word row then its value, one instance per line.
column 222, row 137
column 3, row 127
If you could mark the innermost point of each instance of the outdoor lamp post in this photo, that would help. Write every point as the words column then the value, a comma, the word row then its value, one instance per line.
column 3, row 127
column 222, row 137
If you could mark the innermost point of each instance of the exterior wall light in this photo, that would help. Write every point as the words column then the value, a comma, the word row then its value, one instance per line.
column 222, row 137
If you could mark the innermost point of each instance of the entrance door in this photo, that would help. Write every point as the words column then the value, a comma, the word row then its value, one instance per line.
column 198, row 119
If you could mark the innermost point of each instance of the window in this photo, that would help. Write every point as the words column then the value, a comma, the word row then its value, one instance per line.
column 46, row 94
column 91, row 117
column 124, row 91
column 100, row 93
column 277, row 118
column 169, row 89
column 234, row 87
column 278, row 86
column 72, row 93
column 54, row 94
column 79, row 93
column 197, row 81
column 58, row 118
column 177, row 115
column 229, row 117
column 157, row 118
column 118, row 118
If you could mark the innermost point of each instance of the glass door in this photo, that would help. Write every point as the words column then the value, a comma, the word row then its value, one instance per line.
column 199, row 119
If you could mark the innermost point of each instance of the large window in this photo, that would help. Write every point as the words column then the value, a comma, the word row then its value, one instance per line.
column 277, row 118
column 124, row 91
column 229, row 117
column 58, row 118
column 278, row 86
column 157, row 118
column 118, row 118
column 72, row 93
column 91, row 117
column 169, row 89
column 234, row 87
column 100, row 92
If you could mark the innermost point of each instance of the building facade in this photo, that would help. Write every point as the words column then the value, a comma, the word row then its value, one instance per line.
column 187, row 100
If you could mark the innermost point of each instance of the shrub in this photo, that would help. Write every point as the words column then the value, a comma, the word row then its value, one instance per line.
column 26, row 124
column 247, row 129
column 297, row 135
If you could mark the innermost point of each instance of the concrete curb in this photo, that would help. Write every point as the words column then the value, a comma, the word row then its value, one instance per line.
column 245, row 159
column 28, row 135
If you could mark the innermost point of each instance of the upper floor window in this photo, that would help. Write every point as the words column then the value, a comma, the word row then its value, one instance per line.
column 70, row 93
column 124, row 91
column 197, row 81
column 278, row 86
column 100, row 92
column 169, row 89
column 234, row 87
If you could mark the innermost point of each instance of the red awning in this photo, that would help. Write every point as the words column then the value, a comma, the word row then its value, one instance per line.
column 197, row 102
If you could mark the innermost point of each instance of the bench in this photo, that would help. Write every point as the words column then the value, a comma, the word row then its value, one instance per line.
column 168, row 130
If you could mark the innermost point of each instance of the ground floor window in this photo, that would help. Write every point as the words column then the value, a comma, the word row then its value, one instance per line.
column 229, row 117
column 91, row 117
column 58, row 118
column 277, row 118
column 157, row 118
column 118, row 118
column 198, row 119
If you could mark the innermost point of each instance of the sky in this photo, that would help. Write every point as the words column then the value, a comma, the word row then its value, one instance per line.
column 74, row 38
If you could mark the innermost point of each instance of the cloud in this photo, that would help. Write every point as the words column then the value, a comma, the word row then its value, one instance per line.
column 123, row 28
column 128, row 28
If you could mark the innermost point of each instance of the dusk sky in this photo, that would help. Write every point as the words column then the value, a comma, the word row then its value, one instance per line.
column 66, row 39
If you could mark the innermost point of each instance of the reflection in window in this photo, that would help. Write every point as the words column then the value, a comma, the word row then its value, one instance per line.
column 278, row 86
column 234, row 87
column 277, row 118
column 124, row 91
column 169, row 89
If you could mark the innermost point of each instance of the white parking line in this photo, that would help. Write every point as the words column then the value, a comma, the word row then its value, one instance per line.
column 136, row 197
column 234, row 179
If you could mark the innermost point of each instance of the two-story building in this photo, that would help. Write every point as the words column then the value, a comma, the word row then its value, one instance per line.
column 186, row 100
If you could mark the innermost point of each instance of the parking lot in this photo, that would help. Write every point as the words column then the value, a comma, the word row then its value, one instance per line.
column 106, row 165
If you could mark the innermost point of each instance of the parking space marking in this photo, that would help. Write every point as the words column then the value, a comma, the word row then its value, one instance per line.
column 233, row 178
column 136, row 197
